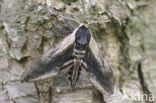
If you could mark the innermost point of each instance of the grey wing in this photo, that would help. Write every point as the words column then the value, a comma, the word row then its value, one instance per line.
column 100, row 75
column 99, row 72
column 49, row 65
column 46, row 67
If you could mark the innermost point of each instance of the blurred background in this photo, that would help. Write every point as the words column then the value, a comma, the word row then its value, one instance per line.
column 125, row 31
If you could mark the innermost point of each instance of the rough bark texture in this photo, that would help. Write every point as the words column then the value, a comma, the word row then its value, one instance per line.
column 125, row 32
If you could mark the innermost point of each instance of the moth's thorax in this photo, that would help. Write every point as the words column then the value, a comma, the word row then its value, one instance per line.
column 82, row 37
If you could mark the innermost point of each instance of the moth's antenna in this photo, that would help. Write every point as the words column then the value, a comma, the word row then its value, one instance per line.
column 64, row 31
column 68, row 18
column 95, row 22
column 69, row 25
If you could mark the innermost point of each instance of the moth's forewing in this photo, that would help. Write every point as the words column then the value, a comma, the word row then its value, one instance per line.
column 50, row 63
column 99, row 72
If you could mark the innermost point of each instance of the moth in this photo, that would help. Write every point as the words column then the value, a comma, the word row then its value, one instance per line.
column 76, row 52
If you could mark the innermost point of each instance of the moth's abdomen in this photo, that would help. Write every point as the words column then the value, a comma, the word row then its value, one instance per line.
column 74, row 74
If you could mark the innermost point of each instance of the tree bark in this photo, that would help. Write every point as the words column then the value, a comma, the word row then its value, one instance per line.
column 124, row 31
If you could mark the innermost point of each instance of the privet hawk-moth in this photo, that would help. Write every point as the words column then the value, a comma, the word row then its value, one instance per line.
column 76, row 52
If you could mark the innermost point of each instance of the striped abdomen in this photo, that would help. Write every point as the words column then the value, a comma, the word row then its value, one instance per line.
column 75, row 71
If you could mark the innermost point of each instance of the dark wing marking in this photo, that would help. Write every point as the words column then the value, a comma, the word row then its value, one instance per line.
column 49, row 64
column 99, row 72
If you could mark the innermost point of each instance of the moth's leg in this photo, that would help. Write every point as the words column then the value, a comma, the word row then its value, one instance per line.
column 67, row 66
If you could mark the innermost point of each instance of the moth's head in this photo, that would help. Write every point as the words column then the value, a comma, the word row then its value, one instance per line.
column 82, row 37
